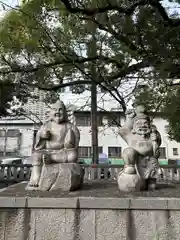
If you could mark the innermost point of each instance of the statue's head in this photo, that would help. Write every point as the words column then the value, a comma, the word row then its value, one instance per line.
column 141, row 123
column 58, row 112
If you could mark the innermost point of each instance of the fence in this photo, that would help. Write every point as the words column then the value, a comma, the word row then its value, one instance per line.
column 17, row 173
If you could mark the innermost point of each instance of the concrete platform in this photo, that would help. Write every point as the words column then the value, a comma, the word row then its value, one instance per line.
column 97, row 212
column 95, row 188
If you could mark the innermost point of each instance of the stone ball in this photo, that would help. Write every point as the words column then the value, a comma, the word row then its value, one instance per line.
column 129, row 182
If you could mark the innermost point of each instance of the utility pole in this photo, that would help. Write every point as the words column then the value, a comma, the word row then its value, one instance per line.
column 94, row 117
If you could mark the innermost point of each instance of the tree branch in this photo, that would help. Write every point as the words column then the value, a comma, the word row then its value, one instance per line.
column 149, row 61
column 124, row 72
column 119, row 37
column 126, row 10
column 52, row 64
column 58, row 86
column 109, row 7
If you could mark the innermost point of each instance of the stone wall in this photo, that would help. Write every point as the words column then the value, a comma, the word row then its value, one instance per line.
column 89, row 219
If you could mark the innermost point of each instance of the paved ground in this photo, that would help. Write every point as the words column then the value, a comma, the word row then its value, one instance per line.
column 3, row 185
column 94, row 188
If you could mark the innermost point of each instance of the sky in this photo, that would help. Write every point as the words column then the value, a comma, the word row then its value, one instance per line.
column 8, row 2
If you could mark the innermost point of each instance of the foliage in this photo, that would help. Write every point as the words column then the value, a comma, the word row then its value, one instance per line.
column 48, row 44
column 8, row 92
column 6, row 95
column 172, row 112
column 167, row 102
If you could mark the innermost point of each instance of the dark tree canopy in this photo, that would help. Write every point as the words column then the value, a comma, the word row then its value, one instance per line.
column 48, row 44
column 6, row 96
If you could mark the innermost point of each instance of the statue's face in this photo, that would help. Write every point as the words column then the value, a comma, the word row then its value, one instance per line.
column 141, row 127
column 58, row 113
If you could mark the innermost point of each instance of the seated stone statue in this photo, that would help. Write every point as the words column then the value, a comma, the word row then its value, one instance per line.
column 56, row 142
column 141, row 156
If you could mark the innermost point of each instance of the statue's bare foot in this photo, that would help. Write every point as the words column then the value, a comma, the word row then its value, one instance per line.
column 33, row 184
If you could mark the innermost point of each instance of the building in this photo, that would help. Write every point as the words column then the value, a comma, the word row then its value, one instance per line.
column 36, row 107
column 17, row 136
column 111, row 144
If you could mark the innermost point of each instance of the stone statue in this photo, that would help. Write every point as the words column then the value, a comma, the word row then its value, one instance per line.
column 56, row 153
column 141, row 157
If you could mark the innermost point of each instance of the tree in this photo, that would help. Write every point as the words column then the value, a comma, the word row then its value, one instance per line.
column 50, row 52
column 136, row 41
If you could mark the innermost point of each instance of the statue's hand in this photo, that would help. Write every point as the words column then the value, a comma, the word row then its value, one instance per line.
column 130, row 114
column 157, row 153
column 153, row 137
column 46, row 135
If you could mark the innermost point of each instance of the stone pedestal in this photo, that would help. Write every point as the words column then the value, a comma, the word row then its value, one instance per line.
column 63, row 176
column 129, row 182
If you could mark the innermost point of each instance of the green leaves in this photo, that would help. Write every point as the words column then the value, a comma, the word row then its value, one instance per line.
column 48, row 36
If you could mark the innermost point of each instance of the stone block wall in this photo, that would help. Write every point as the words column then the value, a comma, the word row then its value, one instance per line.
column 89, row 219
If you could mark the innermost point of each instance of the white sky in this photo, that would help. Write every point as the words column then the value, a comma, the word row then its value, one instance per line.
column 8, row 2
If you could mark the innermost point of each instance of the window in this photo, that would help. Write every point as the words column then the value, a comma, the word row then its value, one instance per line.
column 13, row 133
column 2, row 133
column 12, row 144
column 114, row 121
column 100, row 149
column 100, row 120
column 19, row 161
column 84, row 152
column 162, row 151
column 2, row 141
column 10, row 154
column 114, row 152
column 83, row 120
column 175, row 151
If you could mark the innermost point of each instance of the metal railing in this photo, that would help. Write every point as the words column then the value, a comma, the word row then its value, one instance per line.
column 17, row 173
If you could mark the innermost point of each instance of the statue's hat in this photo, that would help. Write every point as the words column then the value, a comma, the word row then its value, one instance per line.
column 141, row 113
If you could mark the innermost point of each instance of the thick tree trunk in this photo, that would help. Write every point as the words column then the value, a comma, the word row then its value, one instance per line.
column 94, row 117
column 94, row 123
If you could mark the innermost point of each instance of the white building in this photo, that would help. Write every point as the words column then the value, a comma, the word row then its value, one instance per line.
column 18, row 135
column 111, row 143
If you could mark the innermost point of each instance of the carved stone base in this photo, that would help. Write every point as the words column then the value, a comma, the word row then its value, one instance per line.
column 63, row 176
column 129, row 182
